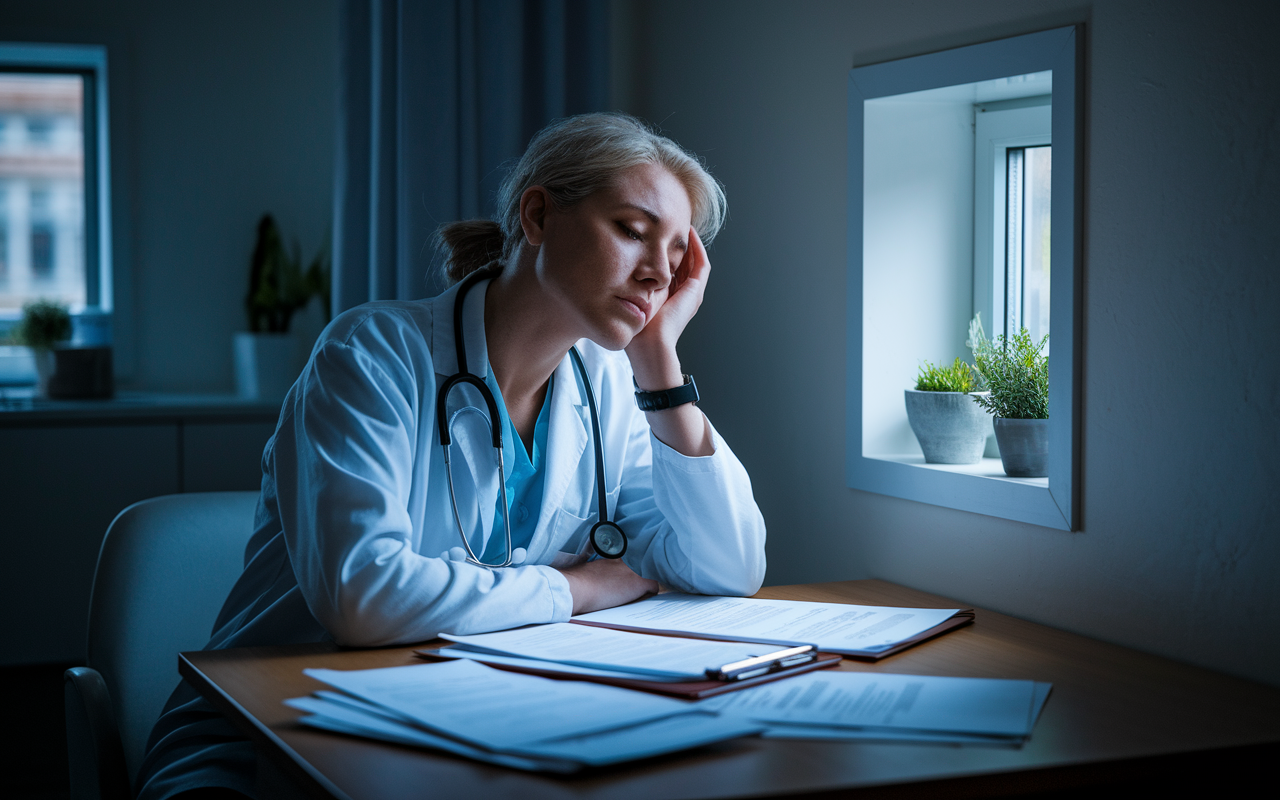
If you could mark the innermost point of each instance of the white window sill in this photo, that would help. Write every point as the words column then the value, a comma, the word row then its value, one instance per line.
column 987, row 468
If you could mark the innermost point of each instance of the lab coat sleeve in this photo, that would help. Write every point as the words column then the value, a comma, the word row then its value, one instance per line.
column 693, row 522
column 344, row 463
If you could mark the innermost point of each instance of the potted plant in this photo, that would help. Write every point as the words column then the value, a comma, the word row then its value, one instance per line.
column 1016, row 373
column 45, row 323
column 266, row 356
column 950, row 427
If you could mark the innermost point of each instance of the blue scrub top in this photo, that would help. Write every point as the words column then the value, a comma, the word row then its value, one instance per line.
column 525, row 483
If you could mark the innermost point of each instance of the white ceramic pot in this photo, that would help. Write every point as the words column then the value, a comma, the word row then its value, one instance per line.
column 43, row 357
column 266, row 365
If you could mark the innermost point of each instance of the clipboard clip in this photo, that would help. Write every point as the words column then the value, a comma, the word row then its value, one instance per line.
column 756, row 666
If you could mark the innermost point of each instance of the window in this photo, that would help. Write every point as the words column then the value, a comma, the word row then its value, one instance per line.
column 54, row 209
column 1012, row 209
column 954, row 209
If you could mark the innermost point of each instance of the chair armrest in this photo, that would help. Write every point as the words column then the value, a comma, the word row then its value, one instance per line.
column 94, row 752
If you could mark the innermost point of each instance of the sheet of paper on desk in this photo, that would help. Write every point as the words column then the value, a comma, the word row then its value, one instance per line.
column 885, row 701
column 638, row 654
column 497, row 709
column 483, row 712
column 363, row 719
column 833, row 627
column 832, row 732
column 567, row 669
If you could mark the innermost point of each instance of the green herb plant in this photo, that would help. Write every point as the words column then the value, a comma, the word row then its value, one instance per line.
column 958, row 377
column 44, row 324
column 278, row 285
column 1014, row 371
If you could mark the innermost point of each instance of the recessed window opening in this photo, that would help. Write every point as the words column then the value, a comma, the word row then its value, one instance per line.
column 951, row 172
column 54, row 210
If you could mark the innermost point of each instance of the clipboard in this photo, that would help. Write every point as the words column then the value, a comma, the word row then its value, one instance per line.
column 690, row 690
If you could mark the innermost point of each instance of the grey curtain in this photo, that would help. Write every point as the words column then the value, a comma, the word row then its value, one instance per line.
column 436, row 99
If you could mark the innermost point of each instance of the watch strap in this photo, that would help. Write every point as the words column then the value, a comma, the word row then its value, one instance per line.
column 667, row 398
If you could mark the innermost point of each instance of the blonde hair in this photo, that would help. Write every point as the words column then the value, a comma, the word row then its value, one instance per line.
column 572, row 158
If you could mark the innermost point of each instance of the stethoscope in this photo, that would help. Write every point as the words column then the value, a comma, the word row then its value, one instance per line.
column 607, row 538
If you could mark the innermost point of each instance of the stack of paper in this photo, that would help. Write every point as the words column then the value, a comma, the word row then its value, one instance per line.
column 519, row 721
column 868, row 632
column 583, row 650
column 890, row 707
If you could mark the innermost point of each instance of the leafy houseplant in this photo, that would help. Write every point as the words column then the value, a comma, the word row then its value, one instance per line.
column 45, row 323
column 1016, row 373
column 950, row 427
column 279, row 286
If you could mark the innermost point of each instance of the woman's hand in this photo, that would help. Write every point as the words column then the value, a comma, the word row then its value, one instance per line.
column 605, row 583
column 653, row 354
column 654, row 346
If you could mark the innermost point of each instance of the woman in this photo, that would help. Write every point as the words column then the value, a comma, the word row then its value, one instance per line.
column 365, row 535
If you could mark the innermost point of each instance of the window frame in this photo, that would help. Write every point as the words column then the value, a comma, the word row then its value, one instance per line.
column 90, row 62
column 1052, row 503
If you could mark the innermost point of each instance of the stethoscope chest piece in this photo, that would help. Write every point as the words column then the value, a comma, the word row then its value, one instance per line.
column 608, row 540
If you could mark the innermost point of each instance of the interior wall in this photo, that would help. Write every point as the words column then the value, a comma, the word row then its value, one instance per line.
column 220, row 112
column 1178, row 550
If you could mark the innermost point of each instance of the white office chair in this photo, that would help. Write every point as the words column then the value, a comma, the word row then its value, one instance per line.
column 165, row 568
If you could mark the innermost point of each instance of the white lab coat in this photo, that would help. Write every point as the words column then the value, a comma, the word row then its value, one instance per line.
column 355, row 494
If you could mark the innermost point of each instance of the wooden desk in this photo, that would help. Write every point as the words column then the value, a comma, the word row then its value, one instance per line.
column 1115, row 715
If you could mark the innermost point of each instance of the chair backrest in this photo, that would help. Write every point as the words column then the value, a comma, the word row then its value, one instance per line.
column 165, row 568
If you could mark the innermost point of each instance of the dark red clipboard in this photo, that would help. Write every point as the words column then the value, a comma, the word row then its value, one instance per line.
column 692, row 690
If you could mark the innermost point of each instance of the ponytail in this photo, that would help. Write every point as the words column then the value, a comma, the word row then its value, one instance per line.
column 468, row 246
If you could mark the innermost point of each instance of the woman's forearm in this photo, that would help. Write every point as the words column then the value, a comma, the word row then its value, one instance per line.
column 683, row 428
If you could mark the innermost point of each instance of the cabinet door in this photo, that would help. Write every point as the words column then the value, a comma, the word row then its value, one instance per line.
column 60, row 487
column 223, row 456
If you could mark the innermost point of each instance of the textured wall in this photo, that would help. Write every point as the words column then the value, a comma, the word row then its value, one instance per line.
column 1179, row 545
column 219, row 112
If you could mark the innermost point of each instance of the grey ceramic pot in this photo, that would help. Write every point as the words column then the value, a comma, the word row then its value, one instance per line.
column 951, row 427
column 1024, row 446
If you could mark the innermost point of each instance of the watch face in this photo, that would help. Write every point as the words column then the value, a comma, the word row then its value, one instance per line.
column 608, row 540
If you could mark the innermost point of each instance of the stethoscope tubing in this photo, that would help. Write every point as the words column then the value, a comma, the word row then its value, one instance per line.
column 605, row 543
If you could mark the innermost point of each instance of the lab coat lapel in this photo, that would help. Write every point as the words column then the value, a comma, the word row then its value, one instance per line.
column 443, row 346
column 569, row 477
column 475, row 472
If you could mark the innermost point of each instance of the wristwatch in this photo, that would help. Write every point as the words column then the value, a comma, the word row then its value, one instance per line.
column 667, row 398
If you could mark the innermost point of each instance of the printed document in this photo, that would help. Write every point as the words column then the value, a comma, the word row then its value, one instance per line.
column 636, row 655
column 833, row 627
column 877, row 700
column 520, row 721
column 497, row 709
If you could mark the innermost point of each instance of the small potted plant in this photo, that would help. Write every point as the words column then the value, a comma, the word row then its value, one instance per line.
column 951, row 428
column 1016, row 373
column 44, row 325
column 265, row 356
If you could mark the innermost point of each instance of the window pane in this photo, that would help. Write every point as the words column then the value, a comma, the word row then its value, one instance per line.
column 41, row 189
column 1038, row 164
